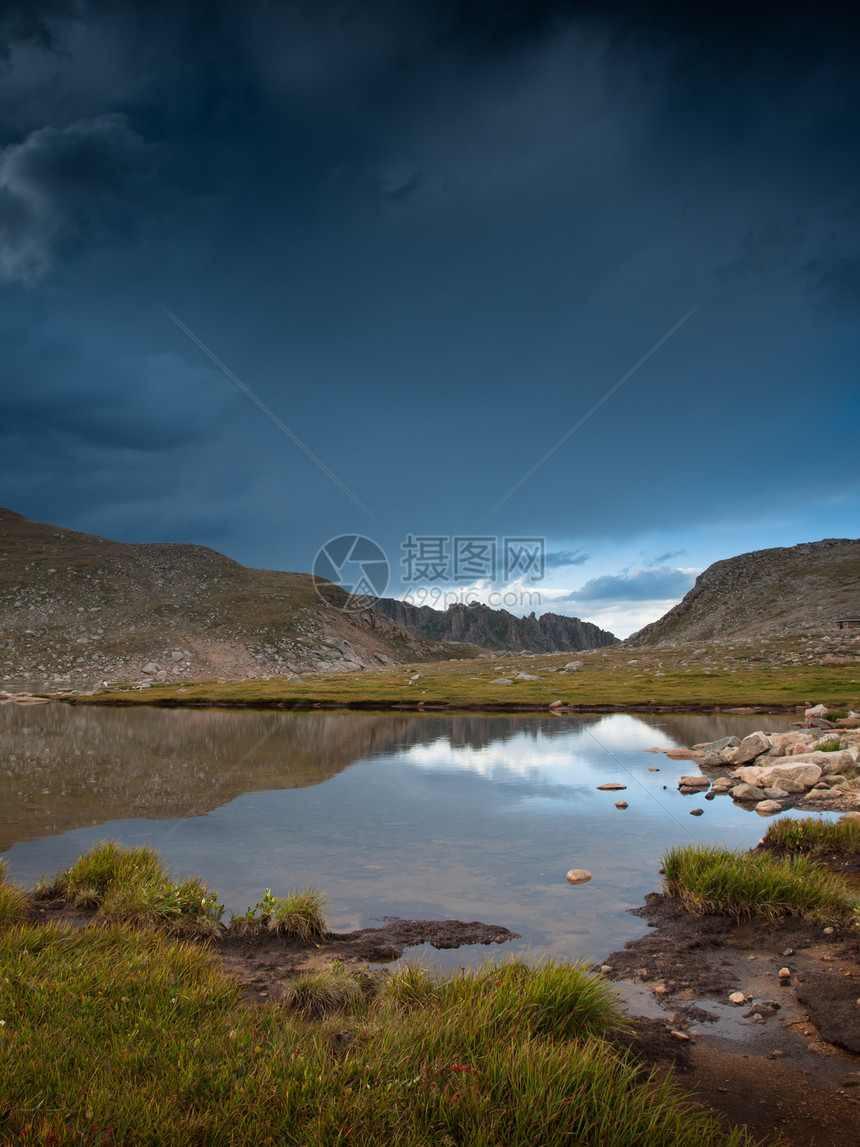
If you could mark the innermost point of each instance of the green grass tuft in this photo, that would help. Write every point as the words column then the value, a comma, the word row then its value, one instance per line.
column 299, row 916
column 814, row 836
column 327, row 992
column 711, row 880
column 132, row 885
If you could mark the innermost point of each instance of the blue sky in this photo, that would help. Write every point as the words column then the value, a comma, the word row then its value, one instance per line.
column 430, row 239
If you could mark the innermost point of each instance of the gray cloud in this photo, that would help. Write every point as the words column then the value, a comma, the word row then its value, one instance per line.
column 643, row 585
column 560, row 559
column 64, row 182
column 667, row 557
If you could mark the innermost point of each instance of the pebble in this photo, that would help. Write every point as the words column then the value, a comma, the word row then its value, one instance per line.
column 606, row 969
column 578, row 876
column 612, row 787
column 785, row 973
column 737, row 998
column 696, row 811
column 679, row 1035
column 621, row 804
column 828, row 931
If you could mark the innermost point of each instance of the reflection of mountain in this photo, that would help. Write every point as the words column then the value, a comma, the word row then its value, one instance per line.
column 64, row 767
column 67, row 768
column 687, row 729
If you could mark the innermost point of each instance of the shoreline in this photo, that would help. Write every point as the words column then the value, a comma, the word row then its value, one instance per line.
column 384, row 706
column 796, row 1068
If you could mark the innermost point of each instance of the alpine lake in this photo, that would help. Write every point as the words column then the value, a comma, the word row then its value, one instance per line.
column 415, row 816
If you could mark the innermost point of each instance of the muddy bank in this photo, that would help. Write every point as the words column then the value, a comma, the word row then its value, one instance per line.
column 262, row 964
column 787, row 1059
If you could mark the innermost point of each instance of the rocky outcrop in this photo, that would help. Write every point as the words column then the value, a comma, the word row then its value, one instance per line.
column 76, row 609
column 496, row 628
column 765, row 593
column 802, row 768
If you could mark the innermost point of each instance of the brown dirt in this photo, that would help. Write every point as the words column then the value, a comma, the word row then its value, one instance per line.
column 262, row 964
column 796, row 1071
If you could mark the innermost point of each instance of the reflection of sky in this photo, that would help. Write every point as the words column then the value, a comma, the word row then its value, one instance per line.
column 437, row 831
column 573, row 757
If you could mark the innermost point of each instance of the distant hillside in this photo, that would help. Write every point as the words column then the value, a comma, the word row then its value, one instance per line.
column 496, row 628
column 75, row 607
column 766, row 593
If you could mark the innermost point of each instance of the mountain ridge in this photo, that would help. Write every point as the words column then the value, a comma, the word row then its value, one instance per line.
column 80, row 607
column 497, row 629
column 765, row 593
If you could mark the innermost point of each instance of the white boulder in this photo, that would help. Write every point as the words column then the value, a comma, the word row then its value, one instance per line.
column 806, row 773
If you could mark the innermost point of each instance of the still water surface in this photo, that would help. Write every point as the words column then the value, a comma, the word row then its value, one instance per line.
column 477, row 818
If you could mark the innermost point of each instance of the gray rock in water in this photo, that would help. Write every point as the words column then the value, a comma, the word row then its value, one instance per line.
column 722, row 743
column 750, row 747
column 768, row 808
column 697, row 782
column 747, row 793
column 710, row 760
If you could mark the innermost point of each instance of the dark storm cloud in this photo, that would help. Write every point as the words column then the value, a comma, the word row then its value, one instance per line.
column 643, row 585
column 427, row 230
column 66, row 183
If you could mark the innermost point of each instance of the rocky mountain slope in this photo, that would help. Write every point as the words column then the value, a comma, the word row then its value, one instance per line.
column 76, row 608
column 766, row 593
column 496, row 628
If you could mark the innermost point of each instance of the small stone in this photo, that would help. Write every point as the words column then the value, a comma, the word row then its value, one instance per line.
column 606, row 969
column 777, row 1053
column 695, row 782
column 737, row 998
column 828, row 931
column 612, row 787
column 756, row 1018
column 679, row 1035
column 621, row 804
column 651, row 769
column 784, row 973
column 578, row 876
column 788, row 952
column 662, row 870
column 696, row 811
column 768, row 808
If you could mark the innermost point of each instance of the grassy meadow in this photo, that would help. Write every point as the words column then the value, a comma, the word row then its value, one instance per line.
column 763, row 673
column 127, row 1031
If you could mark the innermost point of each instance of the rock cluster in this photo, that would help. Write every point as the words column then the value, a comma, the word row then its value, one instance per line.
column 773, row 771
